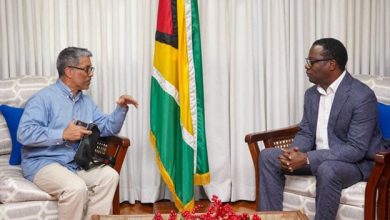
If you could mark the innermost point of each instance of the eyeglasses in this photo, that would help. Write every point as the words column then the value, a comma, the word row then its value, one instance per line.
column 87, row 69
column 312, row 62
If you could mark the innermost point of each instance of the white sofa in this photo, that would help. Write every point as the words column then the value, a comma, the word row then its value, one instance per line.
column 300, row 191
column 20, row 198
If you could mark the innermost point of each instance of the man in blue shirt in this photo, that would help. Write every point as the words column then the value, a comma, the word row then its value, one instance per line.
column 50, row 137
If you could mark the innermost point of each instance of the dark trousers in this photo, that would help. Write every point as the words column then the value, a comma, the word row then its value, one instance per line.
column 332, row 177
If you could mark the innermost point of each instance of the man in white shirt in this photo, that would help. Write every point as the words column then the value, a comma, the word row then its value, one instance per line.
column 338, row 139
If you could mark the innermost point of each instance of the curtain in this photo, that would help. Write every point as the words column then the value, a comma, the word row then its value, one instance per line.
column 253, row 68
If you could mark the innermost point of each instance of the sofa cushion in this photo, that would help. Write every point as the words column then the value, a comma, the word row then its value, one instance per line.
column 12, row 116
column 306, row 186
column 15, row 92
column 33, row 210
column 307, row 205
column 302, row 185
column 15, row 188
column 5, row 138
column 380, row 85
column 384, row 119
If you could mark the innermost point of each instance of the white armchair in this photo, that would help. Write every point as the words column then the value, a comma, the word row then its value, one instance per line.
column 357, row 201
column 20, row 198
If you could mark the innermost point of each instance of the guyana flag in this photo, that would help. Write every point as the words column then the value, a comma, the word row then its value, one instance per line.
column 176, row 104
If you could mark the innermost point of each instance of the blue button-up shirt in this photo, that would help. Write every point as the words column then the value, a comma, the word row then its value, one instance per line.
column 47, row 113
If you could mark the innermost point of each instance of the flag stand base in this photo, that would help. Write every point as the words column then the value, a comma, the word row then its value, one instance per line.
column 166, row 206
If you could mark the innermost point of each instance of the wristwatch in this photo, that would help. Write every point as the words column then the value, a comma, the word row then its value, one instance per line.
column 307, row 161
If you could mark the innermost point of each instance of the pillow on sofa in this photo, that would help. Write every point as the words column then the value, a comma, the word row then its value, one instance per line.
column 384, row 120
column 12, row 116
column 15, row 188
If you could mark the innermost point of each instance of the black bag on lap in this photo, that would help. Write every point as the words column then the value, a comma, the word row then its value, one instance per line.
column 85, row 156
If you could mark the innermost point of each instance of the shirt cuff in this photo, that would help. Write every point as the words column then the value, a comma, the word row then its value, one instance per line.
column 56, row 136
column 121, row 109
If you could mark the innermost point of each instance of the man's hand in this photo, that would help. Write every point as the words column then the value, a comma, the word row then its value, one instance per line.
column 125, row 100
column 75, row 132
column 292, row 159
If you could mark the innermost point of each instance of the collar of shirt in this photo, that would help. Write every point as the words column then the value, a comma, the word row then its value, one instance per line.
column 333, row 87
column 67, row 92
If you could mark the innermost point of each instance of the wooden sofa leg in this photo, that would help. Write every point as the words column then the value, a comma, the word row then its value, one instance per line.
column 115, row 203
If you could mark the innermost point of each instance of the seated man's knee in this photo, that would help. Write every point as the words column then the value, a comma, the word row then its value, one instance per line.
column 327, row 171
column 270, row 153
column 110, row 175
column 269, row 156
column 77, row 188
column 115, row 176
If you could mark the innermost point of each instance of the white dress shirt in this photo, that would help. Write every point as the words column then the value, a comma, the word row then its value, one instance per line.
column 324, row 108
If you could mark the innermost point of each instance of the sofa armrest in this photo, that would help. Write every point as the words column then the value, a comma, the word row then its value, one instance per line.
column 280, row 138
column 378, row 186
column 117, row 147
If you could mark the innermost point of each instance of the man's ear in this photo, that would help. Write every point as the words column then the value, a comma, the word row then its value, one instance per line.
column 68, row 72
column 332, row 65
